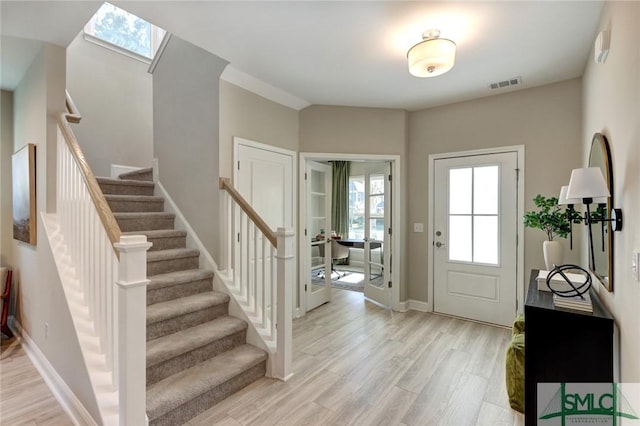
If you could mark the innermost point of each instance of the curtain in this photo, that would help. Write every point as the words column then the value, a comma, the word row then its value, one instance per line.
column 340, row 200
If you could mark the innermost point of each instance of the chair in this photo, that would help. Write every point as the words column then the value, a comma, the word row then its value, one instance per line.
column 338, row 251
column 6, row 293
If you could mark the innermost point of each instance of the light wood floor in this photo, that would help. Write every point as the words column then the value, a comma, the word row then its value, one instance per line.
column 354, row 363
column 25, row 399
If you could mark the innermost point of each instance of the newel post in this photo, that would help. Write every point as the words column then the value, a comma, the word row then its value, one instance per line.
column 285, row 259
column 132, row 328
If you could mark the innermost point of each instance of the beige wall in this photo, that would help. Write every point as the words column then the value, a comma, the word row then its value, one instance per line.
column 352, row 130
column 114, row 95
column 546, row 120
column 612, row 107
column 250, row 116
column 38, row 293
column 6, row 151
column 186, row 134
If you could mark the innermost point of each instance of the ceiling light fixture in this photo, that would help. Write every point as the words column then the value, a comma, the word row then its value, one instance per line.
column 432, row 56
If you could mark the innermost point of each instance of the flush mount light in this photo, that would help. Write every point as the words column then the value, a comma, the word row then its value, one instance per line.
column 432, row 56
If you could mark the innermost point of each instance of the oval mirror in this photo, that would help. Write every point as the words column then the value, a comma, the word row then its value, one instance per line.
column 601, row 262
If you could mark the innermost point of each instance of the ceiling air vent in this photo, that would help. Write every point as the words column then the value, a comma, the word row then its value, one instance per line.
column 506, row 83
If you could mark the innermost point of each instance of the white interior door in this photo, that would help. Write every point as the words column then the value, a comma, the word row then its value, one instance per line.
column 377, row 241
column 318, row 254
column 264, row 177
column 475, row 237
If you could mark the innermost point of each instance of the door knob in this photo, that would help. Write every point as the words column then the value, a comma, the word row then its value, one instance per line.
column 439, row 244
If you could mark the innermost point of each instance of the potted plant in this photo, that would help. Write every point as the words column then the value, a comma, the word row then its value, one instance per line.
column 555, row 222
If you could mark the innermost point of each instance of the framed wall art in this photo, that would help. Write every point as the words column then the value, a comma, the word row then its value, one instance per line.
column 24, row 194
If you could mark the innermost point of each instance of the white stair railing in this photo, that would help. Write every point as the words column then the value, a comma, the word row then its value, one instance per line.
column 259, row 264
column 110, row 270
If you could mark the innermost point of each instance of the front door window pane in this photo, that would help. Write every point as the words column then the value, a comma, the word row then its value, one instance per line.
column 473, row 214
column 485, row 239
column 460, row 248
column 460, row 189
column 485, row 190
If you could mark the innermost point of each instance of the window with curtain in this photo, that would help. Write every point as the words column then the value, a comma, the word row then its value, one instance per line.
column 356, row 207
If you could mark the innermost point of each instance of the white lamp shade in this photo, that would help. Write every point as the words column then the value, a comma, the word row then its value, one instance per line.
column 587, row 182
column 431, row 57
column 563, row 200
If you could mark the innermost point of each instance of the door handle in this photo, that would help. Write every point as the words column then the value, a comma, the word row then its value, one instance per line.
column 439, row 244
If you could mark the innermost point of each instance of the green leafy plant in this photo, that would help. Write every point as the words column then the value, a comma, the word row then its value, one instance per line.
column 551, row 218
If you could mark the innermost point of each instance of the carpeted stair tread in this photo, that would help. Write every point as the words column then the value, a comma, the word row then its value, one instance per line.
column 184, row 305
column 176, row 344
column 143, row 221
column 141, row 215
column 178, row 277
column 178, row 389
column 141, row 174
column 163, row 239
column 158, row 233
column 134, row 203
column 157, row 256
column 125, row 182
column 141, row 198
column 125, row 187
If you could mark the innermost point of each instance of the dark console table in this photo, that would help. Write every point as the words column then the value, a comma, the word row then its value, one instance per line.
column 564, row 345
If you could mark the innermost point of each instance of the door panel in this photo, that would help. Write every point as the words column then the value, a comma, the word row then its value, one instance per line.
column 319, row 229
column 475, row 225
column 377, row 246
column 265, row 180
column 264, row 177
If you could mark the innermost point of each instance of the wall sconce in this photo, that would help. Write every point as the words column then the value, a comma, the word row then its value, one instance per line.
column 587, row 186
column 572, row 214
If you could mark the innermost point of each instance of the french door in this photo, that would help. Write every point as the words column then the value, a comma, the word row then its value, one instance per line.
column 475, row 236
column 318, row 252
column 377, row 241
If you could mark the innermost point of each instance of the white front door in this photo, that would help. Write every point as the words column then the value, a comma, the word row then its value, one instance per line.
column 318, row 252
column 475, row 237
column 377, row 244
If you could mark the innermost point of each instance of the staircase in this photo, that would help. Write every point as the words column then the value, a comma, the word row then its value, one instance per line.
column 196, row 353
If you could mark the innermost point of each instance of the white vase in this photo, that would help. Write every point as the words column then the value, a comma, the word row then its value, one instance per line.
column 553, row 253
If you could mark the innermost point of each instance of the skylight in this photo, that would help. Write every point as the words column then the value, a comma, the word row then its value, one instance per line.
column 122, row 31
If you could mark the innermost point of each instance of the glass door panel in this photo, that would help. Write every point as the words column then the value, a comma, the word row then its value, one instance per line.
column 377, row 218
column 318, row 285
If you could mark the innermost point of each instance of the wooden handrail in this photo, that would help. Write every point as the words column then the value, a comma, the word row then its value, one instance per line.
column 72, row 115
column 225, row 184
column 100, row 202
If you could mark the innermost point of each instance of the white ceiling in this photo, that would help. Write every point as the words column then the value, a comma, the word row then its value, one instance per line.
column 354, row 53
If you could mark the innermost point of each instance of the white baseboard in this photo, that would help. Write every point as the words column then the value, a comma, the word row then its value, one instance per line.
column 117, row 170
column 417, row 305
column 61, row 392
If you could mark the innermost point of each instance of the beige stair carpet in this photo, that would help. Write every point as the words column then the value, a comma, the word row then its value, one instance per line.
column 196, row 353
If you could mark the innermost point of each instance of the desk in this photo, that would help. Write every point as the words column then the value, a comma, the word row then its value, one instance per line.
column 357, row 243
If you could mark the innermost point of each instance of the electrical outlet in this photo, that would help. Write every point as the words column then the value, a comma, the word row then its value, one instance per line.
column 635, row 265
column 46, row 330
